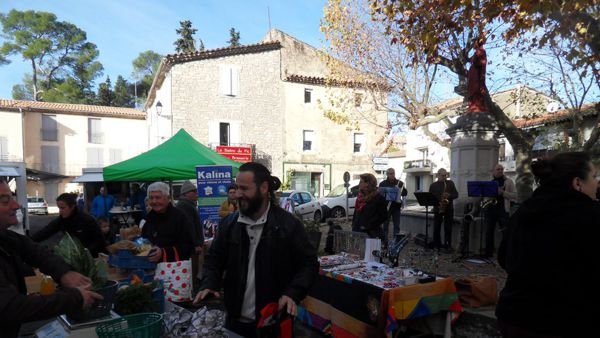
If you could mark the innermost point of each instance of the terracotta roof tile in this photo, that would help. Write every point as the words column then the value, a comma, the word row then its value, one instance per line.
column 68, row 108
column 322, row 81
column 220, row 52
column 559, row 116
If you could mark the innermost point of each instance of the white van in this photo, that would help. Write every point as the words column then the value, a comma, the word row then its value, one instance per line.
column 334, row 204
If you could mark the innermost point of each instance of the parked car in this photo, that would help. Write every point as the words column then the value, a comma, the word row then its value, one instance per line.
column 37, row 205
column 303, row 203
column 334, row 204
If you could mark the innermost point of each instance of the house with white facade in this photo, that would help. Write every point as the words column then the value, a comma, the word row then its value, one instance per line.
column 57, row 140
column 269, row 96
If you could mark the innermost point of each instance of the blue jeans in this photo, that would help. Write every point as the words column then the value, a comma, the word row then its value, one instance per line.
column 395, row 213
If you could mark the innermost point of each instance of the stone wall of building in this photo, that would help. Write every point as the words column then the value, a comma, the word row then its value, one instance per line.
column 197, row 101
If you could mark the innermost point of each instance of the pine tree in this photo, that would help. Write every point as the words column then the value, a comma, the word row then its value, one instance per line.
column 186, row 43
column 234, row 38
column 105, row 93
column 122, row 96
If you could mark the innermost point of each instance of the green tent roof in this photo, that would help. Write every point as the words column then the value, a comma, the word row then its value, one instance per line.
column 175, row 159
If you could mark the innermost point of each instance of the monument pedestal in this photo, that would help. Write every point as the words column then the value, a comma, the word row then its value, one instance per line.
column 473, row 153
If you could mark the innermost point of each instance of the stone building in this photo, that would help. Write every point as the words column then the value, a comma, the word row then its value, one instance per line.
column 270, row 96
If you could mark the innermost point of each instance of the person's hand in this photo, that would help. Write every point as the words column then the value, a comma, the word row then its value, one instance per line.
column 289, row 303
column 89, row 297
column 74, row 279
column 205, row 293
column 155, row 255
column 198, row 249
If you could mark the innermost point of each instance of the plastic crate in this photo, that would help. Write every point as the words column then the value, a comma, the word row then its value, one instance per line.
column 140, row 325
column 350, row 242
column 100, row 308
column 124, row 259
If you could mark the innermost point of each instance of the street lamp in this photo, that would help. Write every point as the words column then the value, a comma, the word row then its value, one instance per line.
column 158, row 108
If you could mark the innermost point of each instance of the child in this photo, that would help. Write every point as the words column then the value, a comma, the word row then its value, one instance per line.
column 107, row 233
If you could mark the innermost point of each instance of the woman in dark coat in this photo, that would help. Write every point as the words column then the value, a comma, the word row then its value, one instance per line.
column 371, row 208
column 78, row 224
column 549, row 252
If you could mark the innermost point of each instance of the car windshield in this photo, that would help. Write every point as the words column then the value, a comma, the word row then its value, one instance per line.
column 35, row 200
column 337, row 191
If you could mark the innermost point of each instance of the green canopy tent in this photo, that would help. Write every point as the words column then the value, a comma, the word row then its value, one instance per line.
column 175, row 159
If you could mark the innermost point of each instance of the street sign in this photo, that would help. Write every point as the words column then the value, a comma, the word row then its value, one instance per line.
column 346, row 177
column 380, row 167
column 381, row 160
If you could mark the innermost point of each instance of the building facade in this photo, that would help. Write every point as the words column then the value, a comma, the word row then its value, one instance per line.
column 270, row 96
column 57, row 140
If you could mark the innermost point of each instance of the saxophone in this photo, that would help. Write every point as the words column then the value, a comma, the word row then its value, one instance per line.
column 445, row 201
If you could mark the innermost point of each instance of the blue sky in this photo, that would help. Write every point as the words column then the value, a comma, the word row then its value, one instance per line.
column 123, row 28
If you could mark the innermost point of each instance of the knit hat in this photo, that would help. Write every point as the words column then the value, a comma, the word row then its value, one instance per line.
column 187, row 187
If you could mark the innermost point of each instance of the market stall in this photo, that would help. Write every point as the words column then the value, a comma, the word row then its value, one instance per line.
column 352, row 298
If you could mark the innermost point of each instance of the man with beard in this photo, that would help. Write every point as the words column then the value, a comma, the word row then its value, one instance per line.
column 262, row 250
column 16, row 306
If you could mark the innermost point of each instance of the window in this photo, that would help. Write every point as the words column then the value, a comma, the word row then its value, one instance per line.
column 359, row 142
column 305, row 197
column 296, row 198
column 307, row 95
column 353, row 192
column 94, row 131
column 3, row 148
column 224, row 134
column 418, row 183
column 115, row 155
column 424, row 153
column 50, row 159
column 502, row 152
column 230, row 81
column 49, row 128
column 95, row 157
column 307, row 140
column 358, row 98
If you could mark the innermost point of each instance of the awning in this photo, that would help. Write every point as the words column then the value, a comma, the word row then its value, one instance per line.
column 89, row 177
column 39, row 175
column 9, row 171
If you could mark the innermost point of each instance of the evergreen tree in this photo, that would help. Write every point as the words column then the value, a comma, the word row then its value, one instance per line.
column 234, row 38
column 144, row 69
column 122, row 96
column 185, row 43
column 105, row 93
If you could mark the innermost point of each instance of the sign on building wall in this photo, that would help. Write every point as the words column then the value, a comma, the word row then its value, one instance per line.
column 238, row 154
column 212, row 182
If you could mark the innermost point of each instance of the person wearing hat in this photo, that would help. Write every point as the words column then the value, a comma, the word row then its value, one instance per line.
column 189, row 205
column 166, row 227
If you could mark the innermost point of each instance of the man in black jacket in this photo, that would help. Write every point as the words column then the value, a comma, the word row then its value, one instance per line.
column 264, row 252
column 445, row 191
column 393, row 206
column 166, row 227
column 189, row 205
column 16, row 306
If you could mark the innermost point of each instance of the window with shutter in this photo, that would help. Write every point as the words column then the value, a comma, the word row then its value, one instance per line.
column 95, row 157
column 94, row 131
column 359, row 142
column 223, row 134
column 3, row 148
column 49, row 128
column 230, row 80
column 308, row 138
column 50, row 159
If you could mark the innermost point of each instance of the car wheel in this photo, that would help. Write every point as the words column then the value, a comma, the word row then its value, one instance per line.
column 338, row 212
column 317, row 216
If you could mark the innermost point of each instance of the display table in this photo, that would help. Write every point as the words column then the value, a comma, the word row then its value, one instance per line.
column 363, row 301
column 123, row 214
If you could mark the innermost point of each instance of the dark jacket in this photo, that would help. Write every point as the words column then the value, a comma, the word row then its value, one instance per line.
column 395, row 183
column 169, row 230
column 550, row 253
column 437, row 189
column 286, row 263
column 190, row 209
column 79, row 225
column 370, row 218
column 15, row 306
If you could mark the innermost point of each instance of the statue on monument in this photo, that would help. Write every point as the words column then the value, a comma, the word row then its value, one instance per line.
column 476, row 89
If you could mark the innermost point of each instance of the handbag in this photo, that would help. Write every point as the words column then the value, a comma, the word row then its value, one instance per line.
column 176, row 277
column 476, row 291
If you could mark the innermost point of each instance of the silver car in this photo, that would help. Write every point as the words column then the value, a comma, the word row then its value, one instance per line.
column 37, row 205
column 302, row 203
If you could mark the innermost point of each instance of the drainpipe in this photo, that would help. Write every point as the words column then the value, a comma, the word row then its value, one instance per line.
column 24, row 210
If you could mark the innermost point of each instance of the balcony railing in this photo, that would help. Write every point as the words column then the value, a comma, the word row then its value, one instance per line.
column 96, row 138
column 417, row 164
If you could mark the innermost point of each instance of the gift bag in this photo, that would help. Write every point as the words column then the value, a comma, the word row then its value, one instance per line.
column 476, row 291
column 176, row 277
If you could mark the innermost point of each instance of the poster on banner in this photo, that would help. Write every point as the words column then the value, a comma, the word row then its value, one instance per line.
column 212, row 182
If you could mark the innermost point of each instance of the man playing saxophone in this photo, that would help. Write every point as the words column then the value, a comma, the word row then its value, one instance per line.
column 445, row 191
column 498, row 212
